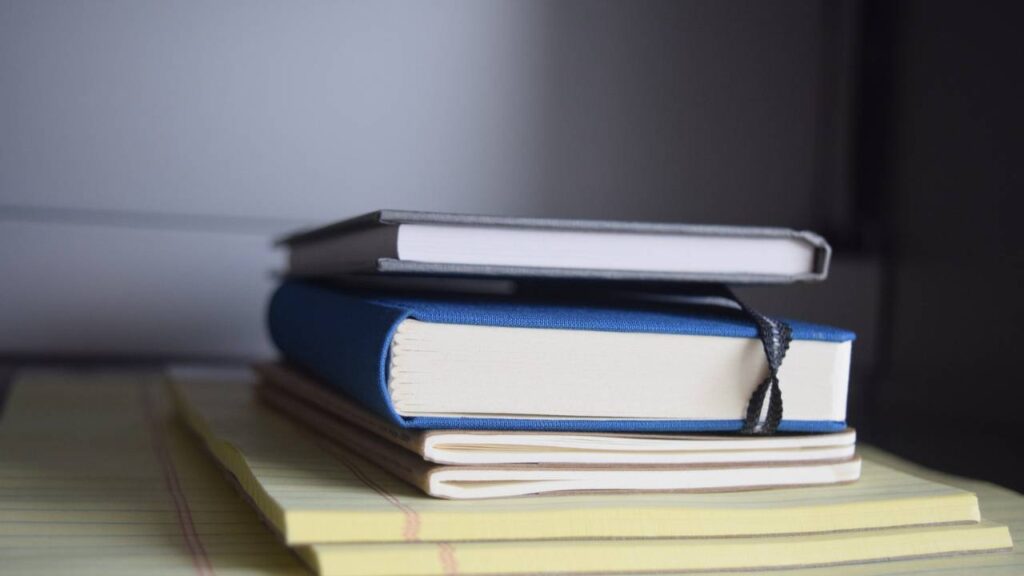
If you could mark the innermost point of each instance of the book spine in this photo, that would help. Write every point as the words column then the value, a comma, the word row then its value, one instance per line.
column 342, row 340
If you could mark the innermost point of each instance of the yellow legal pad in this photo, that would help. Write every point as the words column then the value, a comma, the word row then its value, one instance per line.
column 653, row 555
column 312, row 491
column 94, row 481
column 334, row 503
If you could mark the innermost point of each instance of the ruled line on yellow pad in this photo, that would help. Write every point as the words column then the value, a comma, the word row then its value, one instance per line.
column 170, row 472
column 998, row 504
column 653, row 555
column 312, row 497
column 96, row 479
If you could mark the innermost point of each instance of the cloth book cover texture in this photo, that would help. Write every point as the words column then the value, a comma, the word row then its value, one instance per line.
column 344, row 339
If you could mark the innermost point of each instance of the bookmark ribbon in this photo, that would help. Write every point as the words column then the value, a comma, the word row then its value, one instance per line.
column 775, row 336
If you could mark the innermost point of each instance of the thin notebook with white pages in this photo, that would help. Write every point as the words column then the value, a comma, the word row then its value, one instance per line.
column 444, row 244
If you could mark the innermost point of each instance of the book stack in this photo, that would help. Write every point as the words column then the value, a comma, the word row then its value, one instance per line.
column 439, row 372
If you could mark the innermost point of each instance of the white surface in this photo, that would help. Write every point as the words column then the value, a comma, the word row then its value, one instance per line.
column 603, row 250
column 463, row 370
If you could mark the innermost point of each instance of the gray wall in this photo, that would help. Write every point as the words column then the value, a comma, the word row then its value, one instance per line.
column 149, row 151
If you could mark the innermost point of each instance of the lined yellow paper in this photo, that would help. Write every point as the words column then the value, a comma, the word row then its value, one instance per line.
column 314, row 492
column 94, row 480
column 241, row 431
column 997, row 505
column 651, row 555
column 83, row 491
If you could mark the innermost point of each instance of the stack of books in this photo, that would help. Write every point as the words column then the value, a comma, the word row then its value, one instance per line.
column 439, row 372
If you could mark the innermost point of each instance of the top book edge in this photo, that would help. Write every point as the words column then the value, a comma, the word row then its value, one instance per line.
column 397, row 217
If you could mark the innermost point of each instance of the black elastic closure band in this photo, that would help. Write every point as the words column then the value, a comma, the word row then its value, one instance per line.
column 775, row 338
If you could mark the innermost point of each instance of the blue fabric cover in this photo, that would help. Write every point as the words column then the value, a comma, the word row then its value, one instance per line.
column 344, row 338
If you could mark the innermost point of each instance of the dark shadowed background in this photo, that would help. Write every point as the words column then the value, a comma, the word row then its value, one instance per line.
column 150, row 151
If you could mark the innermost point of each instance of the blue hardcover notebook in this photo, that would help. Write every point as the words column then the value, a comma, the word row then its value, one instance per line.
column 464, row 362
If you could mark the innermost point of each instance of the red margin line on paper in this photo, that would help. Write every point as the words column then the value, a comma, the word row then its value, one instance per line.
column 188, row 530
column 447, row 556
column 412, row 519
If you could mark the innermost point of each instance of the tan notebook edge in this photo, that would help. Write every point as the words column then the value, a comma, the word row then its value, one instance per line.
column 429, row 477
